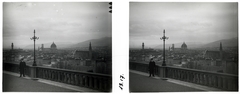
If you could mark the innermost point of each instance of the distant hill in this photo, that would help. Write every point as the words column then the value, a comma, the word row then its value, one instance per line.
column 233, row 42
column 106, row 41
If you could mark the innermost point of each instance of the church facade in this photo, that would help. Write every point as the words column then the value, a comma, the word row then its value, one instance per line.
column 214, row 54
column 83, row 55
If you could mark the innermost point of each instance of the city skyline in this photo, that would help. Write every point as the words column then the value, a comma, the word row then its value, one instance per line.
column 183, row 22
column 55, row 22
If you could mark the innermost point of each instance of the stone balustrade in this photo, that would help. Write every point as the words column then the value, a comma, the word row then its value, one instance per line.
column 212, row 79
column 101, row 82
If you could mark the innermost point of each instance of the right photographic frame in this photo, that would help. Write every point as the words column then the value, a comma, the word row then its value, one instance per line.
column 183, row 46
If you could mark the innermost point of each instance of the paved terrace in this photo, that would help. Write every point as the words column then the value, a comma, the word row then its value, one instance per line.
column 13, row 83
column 140, row 82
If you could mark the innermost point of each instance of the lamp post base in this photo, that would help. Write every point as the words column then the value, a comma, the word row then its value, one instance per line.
column 34, row 64
column 164, row 63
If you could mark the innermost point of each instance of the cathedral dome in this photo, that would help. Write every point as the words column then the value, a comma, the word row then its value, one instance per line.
column 53, row 45
column 184, row 45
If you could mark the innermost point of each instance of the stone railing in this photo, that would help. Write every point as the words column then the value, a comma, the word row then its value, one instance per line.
column 212, row 79
column 95, row 81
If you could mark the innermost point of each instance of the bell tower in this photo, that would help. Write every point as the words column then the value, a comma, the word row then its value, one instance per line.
column 221, row 51
column 12, row 46
column 90, row 51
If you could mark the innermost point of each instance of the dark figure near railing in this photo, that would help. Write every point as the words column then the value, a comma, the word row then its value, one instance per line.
column 151, row 67
column 22, row 66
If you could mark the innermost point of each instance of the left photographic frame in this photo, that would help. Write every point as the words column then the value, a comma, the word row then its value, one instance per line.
column 57, row 47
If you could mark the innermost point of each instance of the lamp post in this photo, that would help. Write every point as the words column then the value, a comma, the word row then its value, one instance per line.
column 34, row 38
column 164, row 38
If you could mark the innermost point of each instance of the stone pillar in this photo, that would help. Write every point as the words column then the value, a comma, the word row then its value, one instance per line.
column 33, row 72
column 163, row 74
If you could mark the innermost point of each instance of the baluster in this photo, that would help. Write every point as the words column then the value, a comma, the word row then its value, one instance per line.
column 184, row 76
column 230, row 84
column 207, row 80
column 95, row 83
column 188, row 76
column 105, row 85
column 61, row 76
column 204, row 79
column 71, row 78
column 90, row 82
column 80, row 80
column 216, row 81
column 220, row 81
column 87, row 81
column 175, row 74
column 100, row 83
column 46, row 74
column 76, row 79
column 194, row 77
column 64, row 77
column 200, row 78
column 49, row 74
column 53, row 74
column 84, row 80
column 181, row 75
column 211, row 80
column 58, row 79
column 169, row 73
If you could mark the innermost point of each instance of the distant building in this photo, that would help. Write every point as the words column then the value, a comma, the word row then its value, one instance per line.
column 83, row 55
column 214, row 54
column 52, row 49
column 183, row 48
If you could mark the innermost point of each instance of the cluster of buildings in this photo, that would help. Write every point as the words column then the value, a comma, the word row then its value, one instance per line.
column 97, row 60
column 209, row 60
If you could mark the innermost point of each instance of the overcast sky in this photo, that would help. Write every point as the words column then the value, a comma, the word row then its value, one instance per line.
column 54, row 22
column 183, row 22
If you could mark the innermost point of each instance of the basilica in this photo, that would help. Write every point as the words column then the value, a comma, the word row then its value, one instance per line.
column 52, row 49
column 182, row 49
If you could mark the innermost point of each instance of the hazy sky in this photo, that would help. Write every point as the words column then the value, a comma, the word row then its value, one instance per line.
column 189, row 22
column 58, row 22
